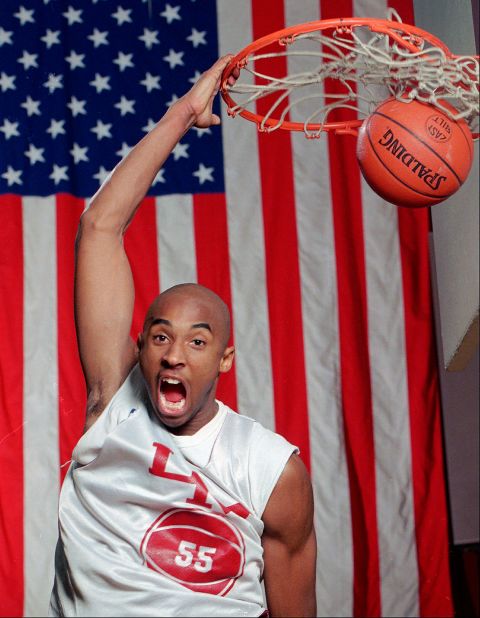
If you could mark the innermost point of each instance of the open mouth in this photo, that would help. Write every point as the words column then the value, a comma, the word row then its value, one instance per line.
column 172, row 395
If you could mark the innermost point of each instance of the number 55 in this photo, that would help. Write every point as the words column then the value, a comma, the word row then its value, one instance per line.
column 203, row 555
column 186, row 552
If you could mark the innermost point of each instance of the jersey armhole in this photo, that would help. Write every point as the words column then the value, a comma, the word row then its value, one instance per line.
column 117, row 410
column 268, row 456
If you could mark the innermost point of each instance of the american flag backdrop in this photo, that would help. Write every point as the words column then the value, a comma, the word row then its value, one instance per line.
column 329, row 287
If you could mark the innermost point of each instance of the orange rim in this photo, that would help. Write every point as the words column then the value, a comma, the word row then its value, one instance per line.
column 341, row 25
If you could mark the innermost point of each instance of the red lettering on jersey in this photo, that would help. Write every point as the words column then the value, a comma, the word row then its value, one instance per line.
column 236, row 508
column 201, row 492
column 162, row 453
column 200, row 496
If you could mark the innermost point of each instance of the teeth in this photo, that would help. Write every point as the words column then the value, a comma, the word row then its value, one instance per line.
column 172, row 406
column 170, row 380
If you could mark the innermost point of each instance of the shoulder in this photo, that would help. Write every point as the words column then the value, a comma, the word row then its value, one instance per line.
column 266, row 448
column 260, row 437
column 289, row 544
column 263, row 452
column 131, row 396
column 289, row 510
column 101, row 394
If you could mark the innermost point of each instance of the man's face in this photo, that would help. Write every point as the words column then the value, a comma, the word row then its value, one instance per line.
column 182, row 352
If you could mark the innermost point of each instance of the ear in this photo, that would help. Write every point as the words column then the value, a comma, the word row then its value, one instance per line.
column 227, row 359
column 140, row 341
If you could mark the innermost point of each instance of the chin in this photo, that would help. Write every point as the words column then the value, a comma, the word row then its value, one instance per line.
column 172, row 423
column 171, row 420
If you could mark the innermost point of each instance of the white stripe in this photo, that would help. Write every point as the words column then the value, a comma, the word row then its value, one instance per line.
column 176, row 240
column 386, row 336
column 40, row 432
column 391, row 420
column 246, row 242
column 321, row 337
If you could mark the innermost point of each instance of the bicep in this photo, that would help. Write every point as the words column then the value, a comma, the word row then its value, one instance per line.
column 289, row 544
column 104, row 298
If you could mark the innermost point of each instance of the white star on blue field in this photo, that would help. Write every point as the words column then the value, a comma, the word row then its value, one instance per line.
column 81, row 82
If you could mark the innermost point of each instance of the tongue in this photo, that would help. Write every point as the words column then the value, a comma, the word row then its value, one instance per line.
column 173, row 392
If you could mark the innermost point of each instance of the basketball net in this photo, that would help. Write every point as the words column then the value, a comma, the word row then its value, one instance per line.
column 371, row 59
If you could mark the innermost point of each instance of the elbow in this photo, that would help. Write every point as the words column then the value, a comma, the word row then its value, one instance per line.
column 96, row 220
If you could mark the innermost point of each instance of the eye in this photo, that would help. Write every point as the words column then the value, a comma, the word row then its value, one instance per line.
column 198, row 342
column 159, row 338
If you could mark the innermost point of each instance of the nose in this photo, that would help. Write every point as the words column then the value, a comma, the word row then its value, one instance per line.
column 174, row 355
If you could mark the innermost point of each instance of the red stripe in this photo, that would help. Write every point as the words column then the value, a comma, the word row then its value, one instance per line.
column 405, row 9
column 213, row 266
column 71, row 384
column 11, row 407
column 431, row 526
column 141, row 248
column 282, row 260
column 354, row 354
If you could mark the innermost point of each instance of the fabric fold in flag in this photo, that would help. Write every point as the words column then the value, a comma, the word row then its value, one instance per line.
column 328, row 287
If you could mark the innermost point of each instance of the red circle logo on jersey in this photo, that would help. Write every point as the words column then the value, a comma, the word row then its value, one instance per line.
column 200, row 550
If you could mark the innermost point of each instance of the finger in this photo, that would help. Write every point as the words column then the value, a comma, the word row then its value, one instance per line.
column 233, row 76
column 224, row 60
column 214, row 73
column 219, row 65
column 208, row 120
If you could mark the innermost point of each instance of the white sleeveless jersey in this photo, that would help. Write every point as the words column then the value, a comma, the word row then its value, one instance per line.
column 143, row 531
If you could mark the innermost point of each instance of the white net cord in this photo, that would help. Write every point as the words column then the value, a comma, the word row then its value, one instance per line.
column 410, row 68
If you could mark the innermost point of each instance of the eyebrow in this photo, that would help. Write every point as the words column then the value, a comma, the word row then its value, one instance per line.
column 156, row 321
column 205, row 325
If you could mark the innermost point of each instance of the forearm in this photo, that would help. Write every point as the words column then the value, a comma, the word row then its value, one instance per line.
column 116, row 202
column 114, row 205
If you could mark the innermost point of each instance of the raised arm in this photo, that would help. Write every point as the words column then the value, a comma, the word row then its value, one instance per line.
column 104, row 291
column 289, row 544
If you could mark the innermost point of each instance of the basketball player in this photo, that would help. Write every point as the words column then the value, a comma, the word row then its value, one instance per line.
column 173, row 505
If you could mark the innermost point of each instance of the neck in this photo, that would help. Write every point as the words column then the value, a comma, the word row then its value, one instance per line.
column 196, row 422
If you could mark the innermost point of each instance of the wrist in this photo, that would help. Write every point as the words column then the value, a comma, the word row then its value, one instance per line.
column 181, row 112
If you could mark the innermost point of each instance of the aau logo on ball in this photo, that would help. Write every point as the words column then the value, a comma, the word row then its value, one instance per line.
column 200, row 550
column 438, row 127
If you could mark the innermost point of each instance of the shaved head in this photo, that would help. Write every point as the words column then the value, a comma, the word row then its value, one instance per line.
column 183, row 350
column 214, row 307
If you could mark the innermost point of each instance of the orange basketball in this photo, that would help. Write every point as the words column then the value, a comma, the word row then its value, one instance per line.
column 413, row 154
